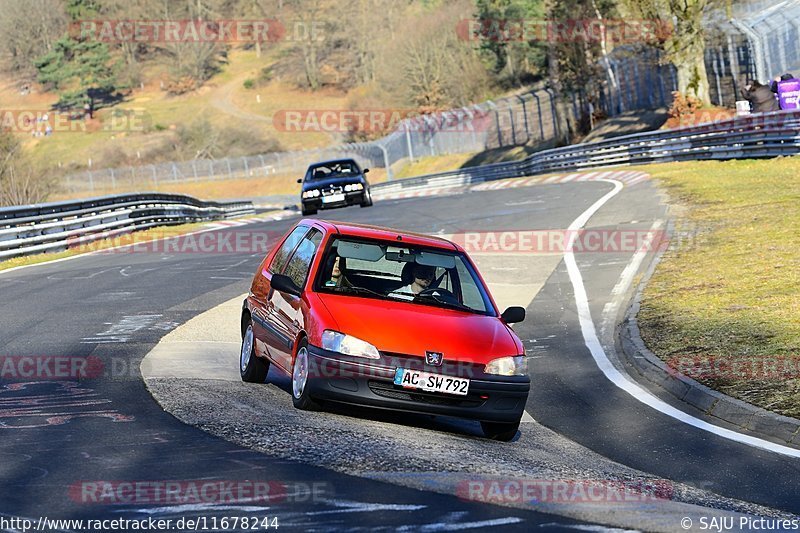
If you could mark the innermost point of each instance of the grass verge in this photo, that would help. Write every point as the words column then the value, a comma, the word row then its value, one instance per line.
column 723, row 306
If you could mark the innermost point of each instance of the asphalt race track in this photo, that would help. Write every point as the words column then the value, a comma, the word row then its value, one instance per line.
column 58, row 437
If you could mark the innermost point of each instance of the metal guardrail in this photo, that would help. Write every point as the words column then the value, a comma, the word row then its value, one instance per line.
column 755, row 136
column 56, row 226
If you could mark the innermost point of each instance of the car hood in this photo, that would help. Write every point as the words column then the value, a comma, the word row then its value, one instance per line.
column 413, row 329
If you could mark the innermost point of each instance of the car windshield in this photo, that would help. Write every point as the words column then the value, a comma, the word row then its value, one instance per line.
column 341, row 168
column 412, row 274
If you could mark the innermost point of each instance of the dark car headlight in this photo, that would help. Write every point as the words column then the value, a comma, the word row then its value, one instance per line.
column 311, row 193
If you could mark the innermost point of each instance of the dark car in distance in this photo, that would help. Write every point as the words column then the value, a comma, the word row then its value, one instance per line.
column 335, row 183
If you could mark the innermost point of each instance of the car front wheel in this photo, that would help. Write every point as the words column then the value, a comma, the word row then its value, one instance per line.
column 301, row 375
column 366, row 200
column 500, row 431
column 308, row 211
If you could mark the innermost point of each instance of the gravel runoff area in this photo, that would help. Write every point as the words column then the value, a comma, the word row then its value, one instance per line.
column 193, row 374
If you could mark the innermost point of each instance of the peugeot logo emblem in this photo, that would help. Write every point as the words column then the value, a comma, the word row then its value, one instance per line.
column 434, row 358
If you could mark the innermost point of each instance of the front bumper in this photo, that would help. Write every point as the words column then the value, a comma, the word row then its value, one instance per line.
column 357, row 381
column 350, row 198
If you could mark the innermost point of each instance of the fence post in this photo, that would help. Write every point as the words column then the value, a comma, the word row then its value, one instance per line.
column 408, row 139
column 539, row 112
column 386, row 162
column 525, row 117
column 734, row 67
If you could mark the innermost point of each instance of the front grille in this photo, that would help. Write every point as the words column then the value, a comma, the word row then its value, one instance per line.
column 390, row 390
column 449, row 367
column 331, row 190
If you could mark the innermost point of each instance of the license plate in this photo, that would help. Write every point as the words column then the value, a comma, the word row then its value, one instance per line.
column 332, row 199
column 415, row 379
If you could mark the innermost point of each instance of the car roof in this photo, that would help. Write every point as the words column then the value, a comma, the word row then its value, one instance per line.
column 352, row 229
column 332, row 162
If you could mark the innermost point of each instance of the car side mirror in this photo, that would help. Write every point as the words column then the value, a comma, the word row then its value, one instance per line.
column 512, row 315
column 300, row 180
column 365, row 171
column 283, row 283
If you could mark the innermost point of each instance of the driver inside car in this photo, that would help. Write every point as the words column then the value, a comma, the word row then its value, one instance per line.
column 422, row 277
column 338, row 269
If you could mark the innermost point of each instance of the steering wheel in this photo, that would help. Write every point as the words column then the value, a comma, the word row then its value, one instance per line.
column 441, row 294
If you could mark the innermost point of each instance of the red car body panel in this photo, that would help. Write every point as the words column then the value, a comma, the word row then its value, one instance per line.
column 401, row 331
column 413, row 329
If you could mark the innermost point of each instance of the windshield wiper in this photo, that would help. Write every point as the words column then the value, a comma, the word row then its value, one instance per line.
column 453, row 305
column 360, row 290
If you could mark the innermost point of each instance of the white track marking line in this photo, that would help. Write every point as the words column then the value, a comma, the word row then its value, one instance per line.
column 615, row 376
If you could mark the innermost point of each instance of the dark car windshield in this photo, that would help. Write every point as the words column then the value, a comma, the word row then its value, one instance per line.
column 342, row 168
column 400, row 272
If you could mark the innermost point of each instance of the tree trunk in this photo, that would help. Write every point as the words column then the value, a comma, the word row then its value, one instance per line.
column 692, row 76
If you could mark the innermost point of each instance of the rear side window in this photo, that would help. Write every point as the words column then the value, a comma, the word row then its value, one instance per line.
column 282, row 255
column 300, row 263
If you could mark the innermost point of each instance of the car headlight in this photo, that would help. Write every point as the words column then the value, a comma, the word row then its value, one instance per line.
column 348, row 345
column 508, row 366
column 313, row 193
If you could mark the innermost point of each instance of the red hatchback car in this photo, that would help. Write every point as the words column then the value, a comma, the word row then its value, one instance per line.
column 388, row 319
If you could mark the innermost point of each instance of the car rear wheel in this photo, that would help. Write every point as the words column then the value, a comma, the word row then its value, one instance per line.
column 300, row 378
column 366, row 201
column 500, row 431
column 252, row 369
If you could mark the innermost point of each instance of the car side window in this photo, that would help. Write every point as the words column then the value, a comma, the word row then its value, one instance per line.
column 300, row 262
column 282, row 255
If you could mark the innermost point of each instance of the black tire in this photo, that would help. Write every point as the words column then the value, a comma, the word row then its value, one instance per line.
column 301, row 399
column 307, row 211
column 366, row 201
column 252, row 369
column 500, row 431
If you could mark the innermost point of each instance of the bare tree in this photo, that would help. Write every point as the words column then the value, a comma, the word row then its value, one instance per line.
column 20, row 183
column 29, row 29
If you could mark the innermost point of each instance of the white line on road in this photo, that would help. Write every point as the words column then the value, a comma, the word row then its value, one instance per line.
column 615, row 376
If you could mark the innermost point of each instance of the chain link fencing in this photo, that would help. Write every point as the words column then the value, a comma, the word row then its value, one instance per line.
column 756, row 40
